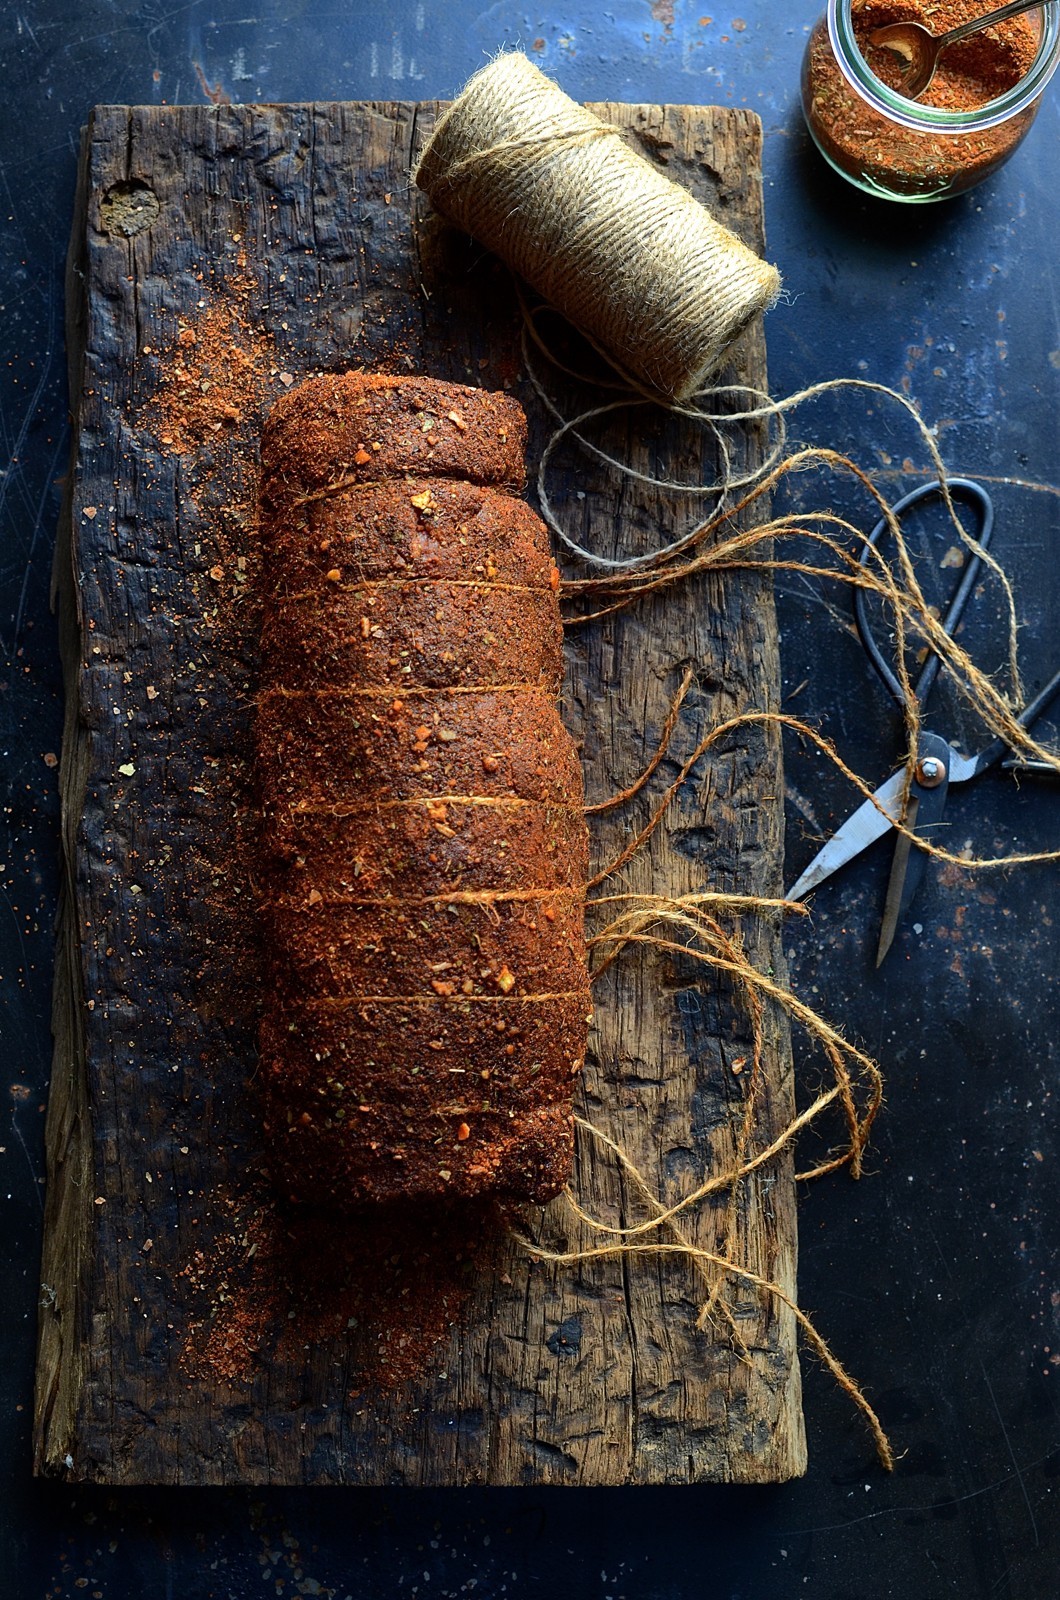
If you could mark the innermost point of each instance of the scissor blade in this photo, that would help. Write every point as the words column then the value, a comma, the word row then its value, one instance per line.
column 893, row 906
column 924, row 815
column 864, row 827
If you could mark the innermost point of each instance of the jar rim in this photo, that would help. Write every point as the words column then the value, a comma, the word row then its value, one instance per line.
column 923, row 118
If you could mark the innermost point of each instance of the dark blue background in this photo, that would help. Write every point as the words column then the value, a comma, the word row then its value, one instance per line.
column 938, row 1277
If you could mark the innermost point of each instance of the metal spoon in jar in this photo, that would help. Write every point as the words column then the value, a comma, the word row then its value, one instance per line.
column 921, row 48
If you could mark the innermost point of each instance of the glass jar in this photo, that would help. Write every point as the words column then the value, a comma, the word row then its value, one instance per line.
column 902, row 149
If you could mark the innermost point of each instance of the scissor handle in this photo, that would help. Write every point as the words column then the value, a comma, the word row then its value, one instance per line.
column 959, row 488
column 994, row 751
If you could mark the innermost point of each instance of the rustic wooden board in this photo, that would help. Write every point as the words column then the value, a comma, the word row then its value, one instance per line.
column 299, row 220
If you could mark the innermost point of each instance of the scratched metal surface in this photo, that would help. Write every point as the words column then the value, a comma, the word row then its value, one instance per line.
column 938, row 1278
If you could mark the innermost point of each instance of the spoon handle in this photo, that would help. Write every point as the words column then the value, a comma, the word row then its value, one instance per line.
column 1013, row 9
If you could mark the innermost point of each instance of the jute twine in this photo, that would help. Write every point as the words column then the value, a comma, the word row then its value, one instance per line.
column 705, row 928
column 629, row 257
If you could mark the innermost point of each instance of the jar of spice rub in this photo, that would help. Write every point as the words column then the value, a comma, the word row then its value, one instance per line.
column 966, row 124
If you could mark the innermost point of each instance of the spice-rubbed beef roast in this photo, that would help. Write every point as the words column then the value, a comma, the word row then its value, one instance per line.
column 424, row 849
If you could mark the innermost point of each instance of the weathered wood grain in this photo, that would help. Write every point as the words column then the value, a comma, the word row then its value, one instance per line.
column 301, row 218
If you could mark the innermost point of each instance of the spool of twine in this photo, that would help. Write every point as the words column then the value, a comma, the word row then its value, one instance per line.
column 628, row 256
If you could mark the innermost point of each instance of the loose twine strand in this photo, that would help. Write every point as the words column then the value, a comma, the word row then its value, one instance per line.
column 689, row 927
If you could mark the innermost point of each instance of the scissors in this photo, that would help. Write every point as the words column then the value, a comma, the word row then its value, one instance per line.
column 938, row 764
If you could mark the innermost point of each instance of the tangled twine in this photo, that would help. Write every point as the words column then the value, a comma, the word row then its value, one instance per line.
column 689, row 927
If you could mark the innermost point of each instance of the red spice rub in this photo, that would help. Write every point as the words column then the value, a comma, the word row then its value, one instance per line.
column 428, row 848
column 360, row 427
column 320, row 748
column 970, row 72
column 412, row 635
column 389, row 1119
column 885, row 156
column 474, row 947
column 424, row 849
column 440, row 529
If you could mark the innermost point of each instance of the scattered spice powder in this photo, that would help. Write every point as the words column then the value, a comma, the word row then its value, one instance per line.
column 217, row 374
column 386, row 1286
column 870, row 148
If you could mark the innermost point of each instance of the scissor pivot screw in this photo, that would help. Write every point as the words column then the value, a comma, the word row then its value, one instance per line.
column 930, row 772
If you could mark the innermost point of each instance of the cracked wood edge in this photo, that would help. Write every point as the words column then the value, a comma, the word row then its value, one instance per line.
column 67, row 1245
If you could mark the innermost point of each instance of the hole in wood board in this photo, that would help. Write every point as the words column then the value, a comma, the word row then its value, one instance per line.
column 128, row 208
